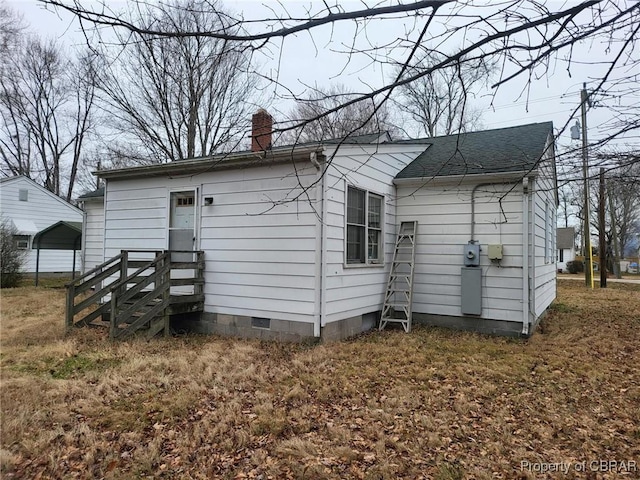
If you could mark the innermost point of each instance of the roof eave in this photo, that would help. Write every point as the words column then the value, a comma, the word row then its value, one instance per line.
column 467, row 178
column 220, row 162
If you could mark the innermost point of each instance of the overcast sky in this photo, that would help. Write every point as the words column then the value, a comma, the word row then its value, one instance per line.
column 316, row 60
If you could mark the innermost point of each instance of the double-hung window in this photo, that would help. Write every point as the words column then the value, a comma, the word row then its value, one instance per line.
column 364, row 227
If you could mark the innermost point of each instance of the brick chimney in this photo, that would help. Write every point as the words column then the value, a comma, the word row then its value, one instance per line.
column 261, row 129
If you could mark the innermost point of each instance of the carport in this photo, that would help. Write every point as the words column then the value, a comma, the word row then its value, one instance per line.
column 59, row 236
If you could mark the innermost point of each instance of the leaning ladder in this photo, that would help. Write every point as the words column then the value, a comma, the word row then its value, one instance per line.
column 397, row 300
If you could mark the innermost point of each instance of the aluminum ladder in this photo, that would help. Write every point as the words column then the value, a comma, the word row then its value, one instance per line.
column 399, row 296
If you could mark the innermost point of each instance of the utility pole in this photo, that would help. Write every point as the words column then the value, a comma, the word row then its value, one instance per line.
column 603, row 247
column 588, row 256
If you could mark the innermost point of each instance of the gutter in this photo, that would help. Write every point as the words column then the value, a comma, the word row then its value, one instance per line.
column 217, row 162
column 498, row 177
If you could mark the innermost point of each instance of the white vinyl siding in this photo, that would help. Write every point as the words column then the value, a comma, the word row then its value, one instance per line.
column 544, row 278
column 259, row 235
column 443, row 213
column 260, row 242
column 351, row 290
column 43, row 208
column 135, row 215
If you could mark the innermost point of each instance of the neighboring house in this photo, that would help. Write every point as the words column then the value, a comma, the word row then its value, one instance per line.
column 566, row 247
column 32, row 208
column 298, row 240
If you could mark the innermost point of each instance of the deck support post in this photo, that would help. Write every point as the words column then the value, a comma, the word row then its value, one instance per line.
column 166, row 293
column 113, row 317
column 70, row 311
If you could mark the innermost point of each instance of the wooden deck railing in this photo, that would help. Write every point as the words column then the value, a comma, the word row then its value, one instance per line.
column 98, row 280
column 140, row 299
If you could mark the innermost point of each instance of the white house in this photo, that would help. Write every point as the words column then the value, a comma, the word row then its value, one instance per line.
column 32, row 208
column 298, row 240
column 566, row 247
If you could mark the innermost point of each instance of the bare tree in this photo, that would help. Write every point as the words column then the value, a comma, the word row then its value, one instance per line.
column 358, row 118
column 624, row 200
column 11, row 28
column 45, row 103
column 178, row 97
column 524, row 37
column 565, row 200
column 439, row 103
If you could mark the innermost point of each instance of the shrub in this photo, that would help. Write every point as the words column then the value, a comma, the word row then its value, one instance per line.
column 575, row 266
column 11, row 257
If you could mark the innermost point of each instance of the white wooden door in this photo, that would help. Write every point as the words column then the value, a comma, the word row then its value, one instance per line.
column 182, row 233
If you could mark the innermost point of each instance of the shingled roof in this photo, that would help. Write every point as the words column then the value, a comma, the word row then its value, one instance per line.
column 92, row 194
column 512, row 149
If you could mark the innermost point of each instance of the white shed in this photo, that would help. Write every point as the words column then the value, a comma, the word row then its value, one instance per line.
column 32, row 208
column 298, row 240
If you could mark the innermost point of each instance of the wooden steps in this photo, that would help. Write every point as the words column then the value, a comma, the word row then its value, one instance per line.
column 140, row 301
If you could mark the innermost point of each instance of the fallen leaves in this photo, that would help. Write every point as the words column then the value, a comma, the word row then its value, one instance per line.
column 432, row 404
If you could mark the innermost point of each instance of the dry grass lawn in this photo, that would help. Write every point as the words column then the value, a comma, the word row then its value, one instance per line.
column 434, row 404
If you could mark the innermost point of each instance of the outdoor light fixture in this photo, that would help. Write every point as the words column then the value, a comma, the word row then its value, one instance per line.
column 208, row 201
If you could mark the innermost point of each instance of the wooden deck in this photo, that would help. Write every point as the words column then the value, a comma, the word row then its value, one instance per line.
column 135, row 291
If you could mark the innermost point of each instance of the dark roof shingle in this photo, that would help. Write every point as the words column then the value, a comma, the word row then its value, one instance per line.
column 92, row 194
column 512, row 149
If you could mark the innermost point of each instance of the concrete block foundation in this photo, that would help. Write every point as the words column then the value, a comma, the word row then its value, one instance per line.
column 270, row 328
column 480, row 325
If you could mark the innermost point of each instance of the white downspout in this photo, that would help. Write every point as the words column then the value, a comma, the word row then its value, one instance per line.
column 532, row 251
column 320, row 246
column 525, row 256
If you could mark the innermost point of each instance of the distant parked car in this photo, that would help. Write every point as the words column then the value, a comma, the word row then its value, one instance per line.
column 632, row 268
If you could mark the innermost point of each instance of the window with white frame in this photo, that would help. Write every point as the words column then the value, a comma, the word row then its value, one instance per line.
column 364, row 227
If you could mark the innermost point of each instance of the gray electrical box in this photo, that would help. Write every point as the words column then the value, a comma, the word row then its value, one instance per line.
column 471, row 255
column 471, row 291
